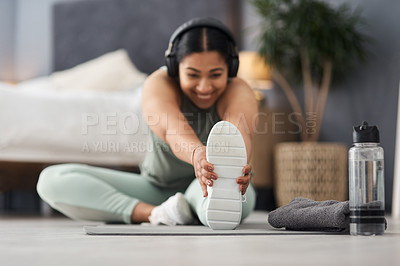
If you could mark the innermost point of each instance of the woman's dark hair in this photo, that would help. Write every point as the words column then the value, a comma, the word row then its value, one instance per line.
column 204, row 39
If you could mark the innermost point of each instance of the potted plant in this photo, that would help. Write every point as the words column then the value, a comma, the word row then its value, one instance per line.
column 309, row 44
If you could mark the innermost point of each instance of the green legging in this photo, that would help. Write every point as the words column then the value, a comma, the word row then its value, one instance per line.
column 85, row 192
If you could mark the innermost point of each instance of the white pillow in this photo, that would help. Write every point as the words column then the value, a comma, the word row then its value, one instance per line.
column 113, row 71
column 36, row 84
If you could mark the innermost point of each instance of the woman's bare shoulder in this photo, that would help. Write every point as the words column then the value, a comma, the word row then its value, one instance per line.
column 237, row 91
column 159, row 85
column 158, row 77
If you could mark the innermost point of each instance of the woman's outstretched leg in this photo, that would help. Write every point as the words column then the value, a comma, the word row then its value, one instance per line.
column 91, row 193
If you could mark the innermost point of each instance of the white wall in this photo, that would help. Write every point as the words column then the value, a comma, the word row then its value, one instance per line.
column 250, row 27
column 7, row 39
column 33, row 48
column 25, row 40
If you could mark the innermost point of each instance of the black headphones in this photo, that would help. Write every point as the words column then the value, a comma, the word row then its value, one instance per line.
column 170, row 57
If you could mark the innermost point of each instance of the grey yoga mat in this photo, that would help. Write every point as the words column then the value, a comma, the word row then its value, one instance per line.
column 197, row 230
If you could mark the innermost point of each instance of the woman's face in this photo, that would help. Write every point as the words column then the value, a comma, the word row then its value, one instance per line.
column 203, row 77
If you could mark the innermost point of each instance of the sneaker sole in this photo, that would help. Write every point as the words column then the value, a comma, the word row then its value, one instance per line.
column 227, row 152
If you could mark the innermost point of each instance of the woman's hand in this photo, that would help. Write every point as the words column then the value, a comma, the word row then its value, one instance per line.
column 203, row 170
column 244, row 180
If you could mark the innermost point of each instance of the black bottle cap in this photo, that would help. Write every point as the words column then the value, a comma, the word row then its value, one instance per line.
column 365, row 133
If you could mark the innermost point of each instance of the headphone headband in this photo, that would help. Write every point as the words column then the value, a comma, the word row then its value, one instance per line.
column 196, row 23
column 170, row 59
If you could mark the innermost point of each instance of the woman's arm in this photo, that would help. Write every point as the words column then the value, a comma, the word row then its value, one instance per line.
column 161, row 101
column 239, row 106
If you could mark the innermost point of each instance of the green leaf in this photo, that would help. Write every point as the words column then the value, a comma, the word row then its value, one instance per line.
column 326, row 33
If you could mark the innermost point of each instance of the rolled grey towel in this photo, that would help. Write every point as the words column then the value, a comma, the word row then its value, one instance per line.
column 309, row 215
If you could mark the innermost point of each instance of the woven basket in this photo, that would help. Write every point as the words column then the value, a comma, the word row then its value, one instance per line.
column 313, row 170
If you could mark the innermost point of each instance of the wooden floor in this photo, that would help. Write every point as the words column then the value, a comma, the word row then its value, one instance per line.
column 37, row 240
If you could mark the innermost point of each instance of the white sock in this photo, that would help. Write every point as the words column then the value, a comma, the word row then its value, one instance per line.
column 174, row 211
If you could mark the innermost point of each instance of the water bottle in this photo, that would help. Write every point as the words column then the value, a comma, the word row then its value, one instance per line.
column 366, row 182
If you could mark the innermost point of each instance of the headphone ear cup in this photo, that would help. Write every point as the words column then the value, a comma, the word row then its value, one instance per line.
column 175, row 67
column 234, row 66
column 170, row 67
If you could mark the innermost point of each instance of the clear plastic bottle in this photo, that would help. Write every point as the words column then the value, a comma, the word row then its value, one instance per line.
column 366, row 182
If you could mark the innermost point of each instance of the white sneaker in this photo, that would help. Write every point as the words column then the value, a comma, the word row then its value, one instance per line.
column 174, row 211
column 227, row 152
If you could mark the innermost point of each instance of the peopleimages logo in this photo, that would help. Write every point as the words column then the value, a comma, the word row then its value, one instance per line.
column 114, row 123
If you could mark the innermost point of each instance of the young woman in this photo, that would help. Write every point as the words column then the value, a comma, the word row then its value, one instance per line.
column 181, row 103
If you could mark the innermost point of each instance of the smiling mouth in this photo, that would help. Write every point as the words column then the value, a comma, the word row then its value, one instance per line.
column 204, row 97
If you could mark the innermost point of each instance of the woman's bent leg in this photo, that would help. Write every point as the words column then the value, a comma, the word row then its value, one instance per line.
column 91, row 193
column 198, row 203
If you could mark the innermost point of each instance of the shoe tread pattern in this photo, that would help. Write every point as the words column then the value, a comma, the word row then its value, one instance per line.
column 227, row 152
